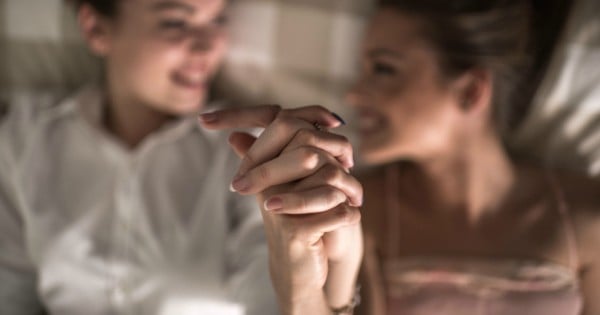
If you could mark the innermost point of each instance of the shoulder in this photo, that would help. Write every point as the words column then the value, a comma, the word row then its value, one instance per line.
column 582, row 197
column 582, row 193
column 21, row 114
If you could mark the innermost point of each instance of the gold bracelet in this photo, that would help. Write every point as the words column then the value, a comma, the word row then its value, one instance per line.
column 348, row 308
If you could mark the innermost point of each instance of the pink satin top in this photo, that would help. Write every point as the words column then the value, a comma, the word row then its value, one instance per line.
column 436, row 285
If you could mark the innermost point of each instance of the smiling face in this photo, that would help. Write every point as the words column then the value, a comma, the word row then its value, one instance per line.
column 161, row 53
column 406, row 109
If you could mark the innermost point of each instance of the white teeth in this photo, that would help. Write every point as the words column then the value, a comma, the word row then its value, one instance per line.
column 369, row 122
column 192, row 79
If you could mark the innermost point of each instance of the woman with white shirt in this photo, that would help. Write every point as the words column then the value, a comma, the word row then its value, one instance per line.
column 115, row 201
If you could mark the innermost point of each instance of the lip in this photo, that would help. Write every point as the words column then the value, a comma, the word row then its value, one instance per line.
column 191, row 81
column 370, row 122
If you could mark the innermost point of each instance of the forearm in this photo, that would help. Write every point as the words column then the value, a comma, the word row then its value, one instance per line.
column 315, row 304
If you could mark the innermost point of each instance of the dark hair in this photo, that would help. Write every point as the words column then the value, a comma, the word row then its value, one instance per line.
column 104, row 7
column 489, row 34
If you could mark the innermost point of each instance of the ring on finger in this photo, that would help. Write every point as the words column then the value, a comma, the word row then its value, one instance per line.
column 318, row 126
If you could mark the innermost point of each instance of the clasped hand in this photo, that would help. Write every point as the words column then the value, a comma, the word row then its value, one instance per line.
column 300, row 175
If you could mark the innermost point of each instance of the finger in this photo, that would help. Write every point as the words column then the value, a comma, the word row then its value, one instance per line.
column 279, row 134
column 311, row 228
column 240, row 117
column 315, row 114
column 333, row 176
column 314, row 200
column 334, row 144
column 304, row 161
column 272, row 141
column 241, row 142
column 341, row 241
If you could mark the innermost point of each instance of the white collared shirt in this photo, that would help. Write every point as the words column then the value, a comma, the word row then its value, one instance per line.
column 89, row 227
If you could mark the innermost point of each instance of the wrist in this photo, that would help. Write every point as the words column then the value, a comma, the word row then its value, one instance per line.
column 313, row 304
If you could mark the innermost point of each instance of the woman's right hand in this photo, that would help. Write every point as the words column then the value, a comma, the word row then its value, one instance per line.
column 309, row 199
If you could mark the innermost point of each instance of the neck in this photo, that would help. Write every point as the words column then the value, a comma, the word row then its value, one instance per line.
column 131, row 122
column 471, row 181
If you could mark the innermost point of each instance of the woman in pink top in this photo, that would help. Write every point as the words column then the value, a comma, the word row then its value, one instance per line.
column 453, row 223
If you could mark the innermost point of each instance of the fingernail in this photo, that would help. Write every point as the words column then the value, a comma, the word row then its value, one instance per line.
column 340, row 119
column 273, row 204
column 240, row 184
column 208, row 117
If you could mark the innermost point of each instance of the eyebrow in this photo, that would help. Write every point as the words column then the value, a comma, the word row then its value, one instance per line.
column 383, row 52
column 172, row 5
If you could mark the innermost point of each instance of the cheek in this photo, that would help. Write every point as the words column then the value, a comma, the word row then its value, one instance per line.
column 426, row 118
column 156, row 58
column 217, row 53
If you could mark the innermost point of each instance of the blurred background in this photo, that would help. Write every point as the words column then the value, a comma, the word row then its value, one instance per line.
column 299, row 52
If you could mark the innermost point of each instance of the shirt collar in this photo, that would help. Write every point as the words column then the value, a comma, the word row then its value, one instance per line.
column 88, row 104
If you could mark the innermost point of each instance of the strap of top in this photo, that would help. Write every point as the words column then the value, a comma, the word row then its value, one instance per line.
column 567, row 221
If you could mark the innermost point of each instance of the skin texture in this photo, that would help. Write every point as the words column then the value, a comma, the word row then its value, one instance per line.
column 159, row 58
column 460, row 193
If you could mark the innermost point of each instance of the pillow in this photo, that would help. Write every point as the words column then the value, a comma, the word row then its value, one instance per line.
column 41, row 47
column 563, row 128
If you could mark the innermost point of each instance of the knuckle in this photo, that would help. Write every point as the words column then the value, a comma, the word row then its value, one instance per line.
column 283, row 124
column 332, row 174
column 310, row 158
column 307, row 136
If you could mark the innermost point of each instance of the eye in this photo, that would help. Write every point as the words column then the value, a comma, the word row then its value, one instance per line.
column 169, row 25
column 221, row 20
column 382, row 68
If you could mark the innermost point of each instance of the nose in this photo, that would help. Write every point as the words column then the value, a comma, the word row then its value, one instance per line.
column 354, row 94
column 203, row 39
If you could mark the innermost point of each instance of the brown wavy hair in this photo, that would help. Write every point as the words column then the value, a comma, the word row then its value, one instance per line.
column 494, row 35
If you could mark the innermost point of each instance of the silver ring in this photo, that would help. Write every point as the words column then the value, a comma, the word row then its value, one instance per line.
column 318, row 126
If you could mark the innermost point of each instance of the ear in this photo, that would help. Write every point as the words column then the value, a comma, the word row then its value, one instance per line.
column 474, row 91
column 95, row 29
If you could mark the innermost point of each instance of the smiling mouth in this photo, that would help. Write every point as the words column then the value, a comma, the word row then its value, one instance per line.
column 370, row 122
column 191, row 81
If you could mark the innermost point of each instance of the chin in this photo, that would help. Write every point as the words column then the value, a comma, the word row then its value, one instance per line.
column 373, row 157
column 382, row 154
column 187, row 106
